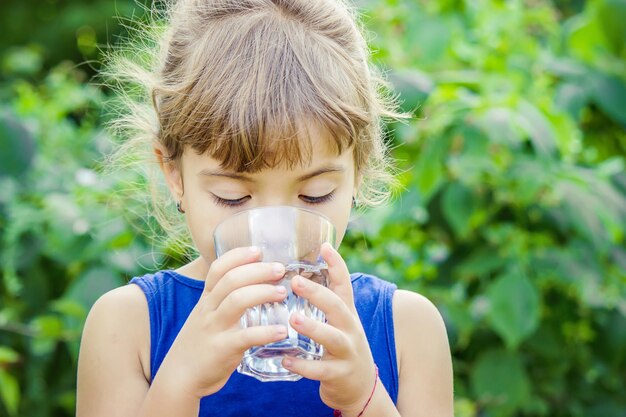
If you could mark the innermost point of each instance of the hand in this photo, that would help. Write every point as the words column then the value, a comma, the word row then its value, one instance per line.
column 346, row 372
column 211, row 343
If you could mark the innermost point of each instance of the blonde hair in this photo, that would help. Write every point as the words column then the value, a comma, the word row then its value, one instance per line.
column 242, row 80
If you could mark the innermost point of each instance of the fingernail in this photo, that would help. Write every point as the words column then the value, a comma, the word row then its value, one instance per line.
column 254, row 249
column 297, row 318
column 279, row 269
column 281, row 331
column 287, row 362
column 301, row 282
column 281, row 290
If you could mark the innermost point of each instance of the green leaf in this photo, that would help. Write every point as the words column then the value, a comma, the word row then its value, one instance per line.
column 91, row 285
column 584, row 37
column 459, row 204
column 23, row 60
column 460, row 324
column 464, row 407
column 69, row 308
column 9, row 392
column 429, row 36
column 592, row 207
column 414, row 87
column 605, row 407
column 8, row 355
column 429, row 169
column 17, row 146
column 538, row 127
column 514, row 307
column 609, row 94
column 572, row 98
column 528, row 188
column 481, row 262
column 499, row 380
column 567, row 68
column 48, row 327
column 500, row 126
column 612, row 15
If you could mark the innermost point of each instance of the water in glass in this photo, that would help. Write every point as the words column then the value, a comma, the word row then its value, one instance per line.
column 264, row 362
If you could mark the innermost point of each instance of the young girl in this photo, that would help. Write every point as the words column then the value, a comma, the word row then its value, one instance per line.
column 259, row 103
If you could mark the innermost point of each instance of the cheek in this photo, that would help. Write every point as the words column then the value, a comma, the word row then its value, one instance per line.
column 202, row 236
column 339, row 214
column 201, row 223
column 202, row 216
column 341, row 228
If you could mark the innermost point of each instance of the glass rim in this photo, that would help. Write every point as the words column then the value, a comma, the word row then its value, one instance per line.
column 260, row 208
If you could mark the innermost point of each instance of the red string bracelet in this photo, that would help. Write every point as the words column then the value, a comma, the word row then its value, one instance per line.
column 337, row 413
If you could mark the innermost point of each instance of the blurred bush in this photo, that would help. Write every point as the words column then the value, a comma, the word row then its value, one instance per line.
column 63, row 242
column 512, row 219
column 65, row 29
column 514, row 215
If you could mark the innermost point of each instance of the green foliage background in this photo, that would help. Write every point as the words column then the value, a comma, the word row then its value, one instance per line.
column 512, row 219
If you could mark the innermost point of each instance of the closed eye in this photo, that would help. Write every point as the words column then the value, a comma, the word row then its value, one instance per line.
column 318, row 200
column 229, row 203
column 241, row 201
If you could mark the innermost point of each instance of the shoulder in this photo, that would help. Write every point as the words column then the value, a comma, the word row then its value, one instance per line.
column 118, row 327
column 126, row 301
column 423, row 352
column 121, row 312
column 114, row 355
column 411, row 308
column 417, row 322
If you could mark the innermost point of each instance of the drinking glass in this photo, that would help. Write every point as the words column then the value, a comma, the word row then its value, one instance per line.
column 292, row 236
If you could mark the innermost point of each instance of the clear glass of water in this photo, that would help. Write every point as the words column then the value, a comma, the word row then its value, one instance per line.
column 292, row 236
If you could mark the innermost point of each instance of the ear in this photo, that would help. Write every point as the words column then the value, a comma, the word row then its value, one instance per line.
column 171, row 170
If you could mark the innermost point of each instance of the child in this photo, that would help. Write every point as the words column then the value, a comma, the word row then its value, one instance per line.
column 258, row 103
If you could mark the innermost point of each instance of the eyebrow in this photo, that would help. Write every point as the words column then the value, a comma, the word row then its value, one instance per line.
column 245, row 178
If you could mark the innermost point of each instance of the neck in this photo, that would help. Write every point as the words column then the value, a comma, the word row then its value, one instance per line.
column 196, row 269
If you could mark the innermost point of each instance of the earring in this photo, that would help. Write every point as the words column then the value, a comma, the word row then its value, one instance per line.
column 353, row 201
column 179, row 208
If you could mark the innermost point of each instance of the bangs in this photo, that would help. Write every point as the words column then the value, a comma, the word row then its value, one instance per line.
column 263, row 90
column 264, row 145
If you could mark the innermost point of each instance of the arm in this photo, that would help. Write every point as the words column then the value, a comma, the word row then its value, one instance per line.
column 112, row 382
column 113, row 365
column 347, row 371
column 425, row 364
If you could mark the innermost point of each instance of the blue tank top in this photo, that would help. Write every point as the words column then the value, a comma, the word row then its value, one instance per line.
column 171, row 297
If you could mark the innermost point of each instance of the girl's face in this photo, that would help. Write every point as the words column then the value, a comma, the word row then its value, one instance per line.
column 327, row 185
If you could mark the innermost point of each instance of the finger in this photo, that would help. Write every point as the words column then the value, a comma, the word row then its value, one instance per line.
column 235, row 304
column 243, row 339
column 245, row 275
column 323, row 370
column 339, row 275
column 228, row 261
column 337, row 312
column 333, row 339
